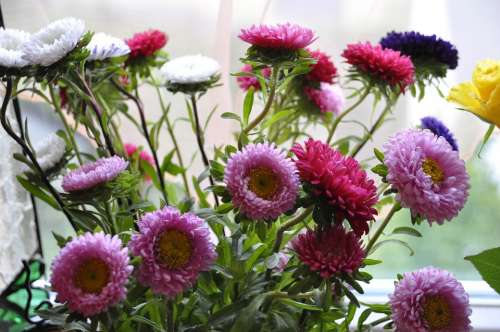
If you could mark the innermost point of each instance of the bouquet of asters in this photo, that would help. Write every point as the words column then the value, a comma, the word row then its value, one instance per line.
column 277, row 231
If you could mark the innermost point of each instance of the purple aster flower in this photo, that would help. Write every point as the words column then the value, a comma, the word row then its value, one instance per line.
column 174, row 248
column 424, row 50
column 439, row 129
column 262, row 181
column 90, row 273
column 429, row 175
column 90, row 175
column 430, row 299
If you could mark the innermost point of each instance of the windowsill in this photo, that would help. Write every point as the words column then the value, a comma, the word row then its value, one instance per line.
column 484, row 301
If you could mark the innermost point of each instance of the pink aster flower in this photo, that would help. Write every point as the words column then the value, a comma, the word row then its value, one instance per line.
column 174, row 248
column 430, row 299
column 262, row 181
column 429, row 175
column 90, row 273
column 146, row 43
column 245, row 82
column 330, row 251
column 93, row 174
column 281, row 36
column 328, row 98
column 323, row 70
column 131, row 149
column 338, row 180
column 381, row 64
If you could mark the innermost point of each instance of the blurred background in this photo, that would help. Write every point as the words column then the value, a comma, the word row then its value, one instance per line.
column 210, row 27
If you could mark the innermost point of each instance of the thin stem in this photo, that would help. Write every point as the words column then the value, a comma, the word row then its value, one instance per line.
column 373, row 129
column 292, row 222
column 380, row 321
column 380, row 230
column 144, row 125
column 170, row 316
column 71, row 134
column 178, row 153
column 345, row 113
column 199, row 139
column 267, row 107
column 98, row 112
column 29, row 153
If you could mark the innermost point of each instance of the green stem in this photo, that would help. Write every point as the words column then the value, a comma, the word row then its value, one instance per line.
column 170, row 316
column 200, row 141
column 373, row 129
column 178, row 153
column 396, row 207
column 292, row 222
column 69, row 131
column 267, row 107
column 337, row 120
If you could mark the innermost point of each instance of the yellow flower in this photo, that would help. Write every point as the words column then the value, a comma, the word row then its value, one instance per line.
column 482, row 95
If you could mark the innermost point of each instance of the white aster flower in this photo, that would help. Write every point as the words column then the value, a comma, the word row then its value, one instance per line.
column 50, row 151
column 103, row 46
column 190, row 69
column 53, row 42
column 11, row 54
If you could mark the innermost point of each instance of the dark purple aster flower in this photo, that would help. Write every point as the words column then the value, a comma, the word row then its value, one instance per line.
column 439, row 129
column 422, row 49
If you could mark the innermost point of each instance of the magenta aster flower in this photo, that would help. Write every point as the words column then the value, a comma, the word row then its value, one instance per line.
column 339, row 181
column 323, row 70
column 328, row 98
column 245, row 82
column 330, row 251
column 146, row 43
column 262, row 181
column 281, row 36
column 89, row 274
column 380, row 64
column 430, row 299
column 174, row 248
column 93, row 174
column 429, row 175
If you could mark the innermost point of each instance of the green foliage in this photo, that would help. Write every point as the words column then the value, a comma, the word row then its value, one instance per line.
column 488, row 265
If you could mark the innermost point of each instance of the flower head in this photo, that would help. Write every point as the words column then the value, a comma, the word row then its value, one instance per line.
column 430, row 299
column 439, row 129
column 11, row 53
column 329, row 251
column 147, row 43
column 90, row 273
column 262, row 181
column 430, row 177
column 424, row 50
column 339, row 182
column 382, row 65
column 281, row 36
column 245, row 82
column 131, row 149
column 328, row 98
column 50, row 151
column 174, row 248
column 53, row 42
column 93, row 174
column 482, row 95
column 190, row 69
column 323, row 70
column 103, row 46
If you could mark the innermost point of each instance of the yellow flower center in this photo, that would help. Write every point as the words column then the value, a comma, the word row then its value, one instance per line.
column 437, row 312
column 431, row 168
column 173, row 249
column 263, row 182
column 92, row 276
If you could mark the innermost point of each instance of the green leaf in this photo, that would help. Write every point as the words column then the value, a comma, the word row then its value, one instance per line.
column 275, row 118
column 368, row 261
column 247, row 319
column 380, row 169
column 229, row 115
column 37, row 192
column 362, row 318
column 408, row 231
column 344, row 147
column 300, row 305
column 381, row 243
column 248, row 104
column 379, row 154
column 488, row 265
column 224, row 208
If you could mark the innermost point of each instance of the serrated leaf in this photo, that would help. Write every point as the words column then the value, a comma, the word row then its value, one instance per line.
column 487, row 264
